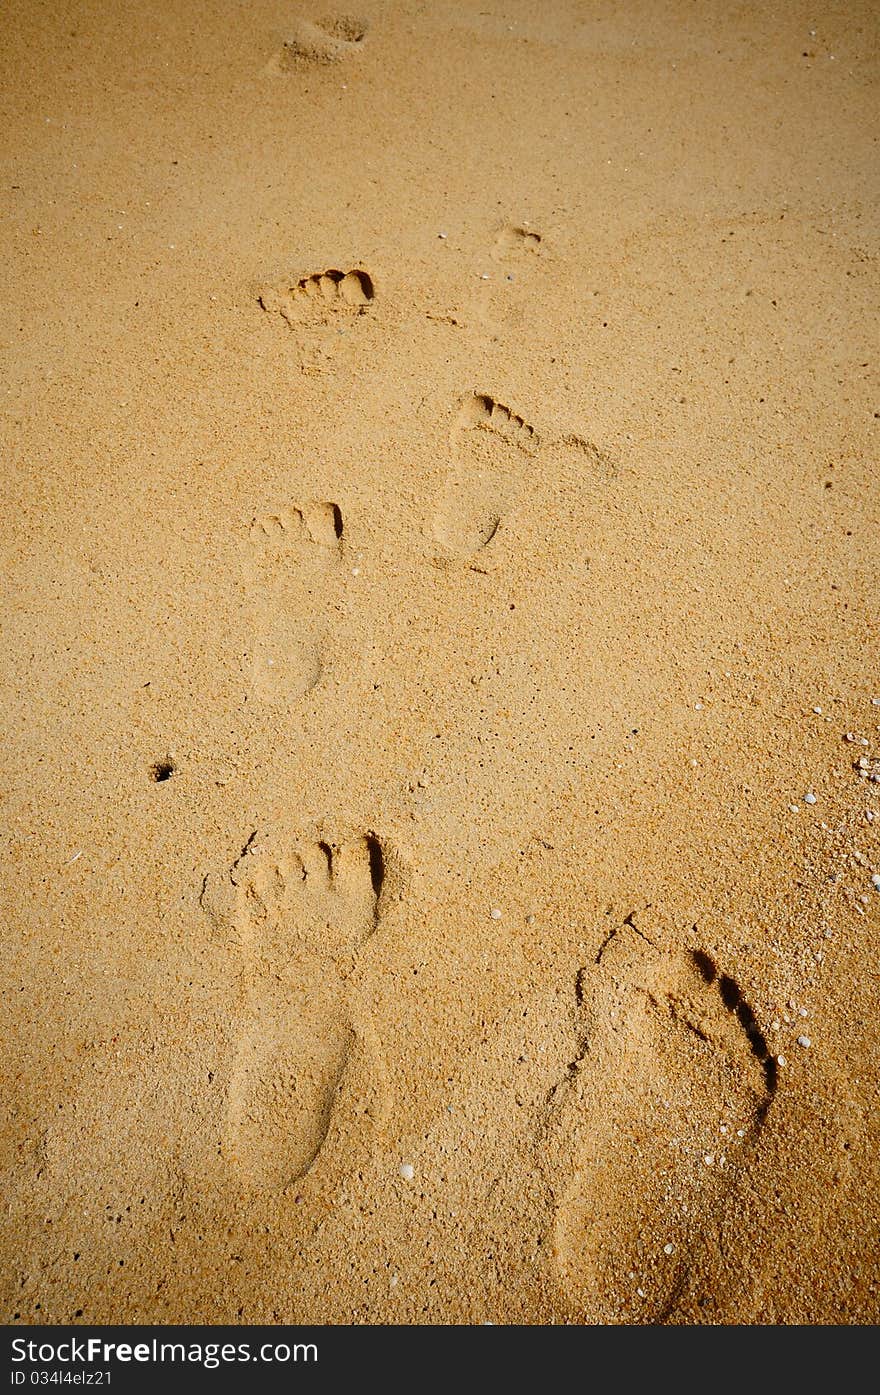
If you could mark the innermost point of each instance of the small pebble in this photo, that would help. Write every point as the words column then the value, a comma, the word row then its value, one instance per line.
column 495, row 913
column 781, row 1061
column 740, row 1133
column 698, row 707
column 804, row 1042
column 818, row 711
column 708, row 1159
column 875, row 880
column 407, row 1171
column 668, row 1249
column 875, row 702
column 793, row 809
column 809, row 798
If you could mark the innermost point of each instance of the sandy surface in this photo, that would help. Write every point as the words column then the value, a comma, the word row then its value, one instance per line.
column 441, row 557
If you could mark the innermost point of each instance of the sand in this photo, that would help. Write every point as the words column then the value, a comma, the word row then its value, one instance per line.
column 441, row 555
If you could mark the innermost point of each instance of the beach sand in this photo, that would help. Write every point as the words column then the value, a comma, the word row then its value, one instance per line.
column 441, row 698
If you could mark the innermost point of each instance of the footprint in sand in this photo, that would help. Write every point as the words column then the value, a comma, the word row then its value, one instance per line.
column 316, row 43
column 294, row 554
column 300, row 914
column 513, row 241
column 491, row 447
column 669, row 1090
column 292, row 527
column 318, row 299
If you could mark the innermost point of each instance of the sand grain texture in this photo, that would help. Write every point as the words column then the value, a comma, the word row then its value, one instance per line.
column 440, row 471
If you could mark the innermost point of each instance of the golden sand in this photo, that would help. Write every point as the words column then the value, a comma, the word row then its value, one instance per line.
column 441, row 556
